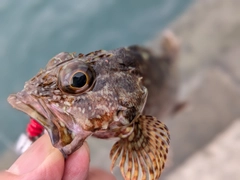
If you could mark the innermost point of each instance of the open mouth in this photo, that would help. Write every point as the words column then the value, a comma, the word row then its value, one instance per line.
column 18, row 103
column 59, row 133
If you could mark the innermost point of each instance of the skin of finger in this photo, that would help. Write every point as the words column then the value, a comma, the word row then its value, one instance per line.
column 77, row 164
column 51, row 168
column 34, row 156
column 8, row 176
column 98, row 174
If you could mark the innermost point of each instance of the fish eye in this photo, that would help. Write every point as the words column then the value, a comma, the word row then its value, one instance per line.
column 79, row 79
column 76, row 77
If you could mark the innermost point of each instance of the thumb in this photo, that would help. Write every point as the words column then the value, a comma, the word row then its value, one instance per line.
column 41, row 160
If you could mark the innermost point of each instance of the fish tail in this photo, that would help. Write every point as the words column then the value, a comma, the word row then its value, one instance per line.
column 143, row 153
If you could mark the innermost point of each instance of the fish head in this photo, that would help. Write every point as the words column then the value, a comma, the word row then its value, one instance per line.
column 79, row 95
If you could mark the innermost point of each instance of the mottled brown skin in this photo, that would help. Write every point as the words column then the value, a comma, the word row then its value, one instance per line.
column 110, row 104
column 160, row 77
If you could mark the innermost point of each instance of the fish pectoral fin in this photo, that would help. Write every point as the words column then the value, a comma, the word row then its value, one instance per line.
column 143, row 153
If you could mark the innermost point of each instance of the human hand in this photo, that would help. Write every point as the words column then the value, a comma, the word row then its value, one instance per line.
column 43, row 161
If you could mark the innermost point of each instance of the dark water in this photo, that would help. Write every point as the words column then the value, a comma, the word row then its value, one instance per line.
column 33, row 31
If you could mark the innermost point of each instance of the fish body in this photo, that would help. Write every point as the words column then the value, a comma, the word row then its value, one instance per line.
column 120, row 93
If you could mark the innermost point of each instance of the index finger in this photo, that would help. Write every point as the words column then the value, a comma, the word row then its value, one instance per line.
column 77, row 164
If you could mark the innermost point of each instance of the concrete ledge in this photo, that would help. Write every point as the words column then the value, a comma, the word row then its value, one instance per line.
column 220, row 160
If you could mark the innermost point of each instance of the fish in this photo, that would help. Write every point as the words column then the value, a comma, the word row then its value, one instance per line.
column 121, row 93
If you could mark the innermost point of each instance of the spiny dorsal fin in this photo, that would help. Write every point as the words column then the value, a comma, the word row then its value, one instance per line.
column 170, row 44
column 142, row 154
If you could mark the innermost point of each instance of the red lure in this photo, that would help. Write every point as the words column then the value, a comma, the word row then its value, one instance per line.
column 34, row 129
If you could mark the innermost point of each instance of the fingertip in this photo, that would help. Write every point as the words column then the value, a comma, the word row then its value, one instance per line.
column 77, row 164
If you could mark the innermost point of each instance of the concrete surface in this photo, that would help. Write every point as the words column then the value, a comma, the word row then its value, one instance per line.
column 218, row 160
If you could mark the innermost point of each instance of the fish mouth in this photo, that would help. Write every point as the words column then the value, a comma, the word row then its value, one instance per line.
column 18, row 102
column 59, row 133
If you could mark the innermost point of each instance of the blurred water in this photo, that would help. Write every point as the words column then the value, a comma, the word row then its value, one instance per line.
column 34, row 31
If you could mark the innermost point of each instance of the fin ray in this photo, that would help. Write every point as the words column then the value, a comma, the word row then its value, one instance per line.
column 143, row 152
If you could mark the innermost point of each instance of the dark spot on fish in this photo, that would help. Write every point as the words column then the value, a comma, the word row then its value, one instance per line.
column 162, row 134
column 80, row 55
column 96, row 52
column 151, row 171
column 90, row 54
column 108, row 55
column 168, row 141
column 165, row 127
column 101, row 55
column 165, row 156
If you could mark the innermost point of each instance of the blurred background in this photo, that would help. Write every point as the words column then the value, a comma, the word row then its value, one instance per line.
column 205, row 135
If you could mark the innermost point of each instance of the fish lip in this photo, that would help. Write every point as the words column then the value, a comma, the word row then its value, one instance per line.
column 33, row 107
column 19, row 102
